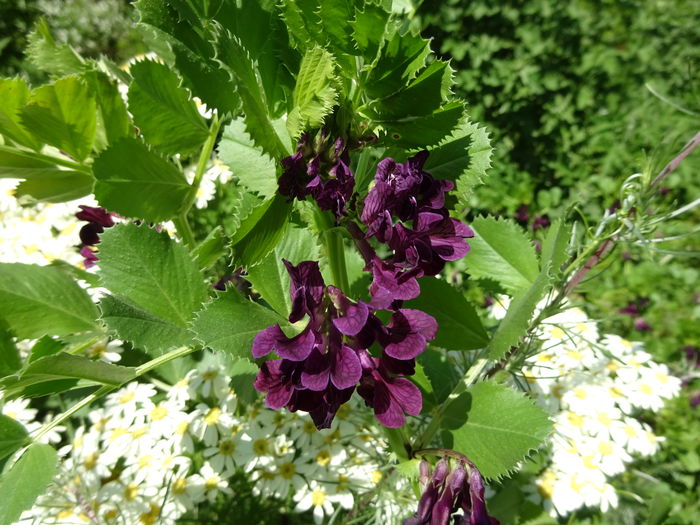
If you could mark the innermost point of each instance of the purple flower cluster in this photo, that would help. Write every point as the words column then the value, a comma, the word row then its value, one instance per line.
column 319, row 169
column 406, row 210
column 98, row 219
column 322, row 366
column 447, row 491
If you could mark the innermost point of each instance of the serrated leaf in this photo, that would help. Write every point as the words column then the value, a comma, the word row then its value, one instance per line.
column 144, row 330
column 44, row 347
column 463, row 157
column 260, row 232
column 423, row 131
column 423, row 95
column 459, row 327
column 237, row 61
column 163, row 110
column 135, row 182
column 243, row 204
column 211, row 249
column 153, row 271
column 516, row 321
column 62, row 186
column 315, row 93
column 303, row 23
column 502, row 427
column 25, row 481
column 271, row 279
column 369, row 28
column 29, row 292
column 62, row 114
column 501, row 251
column 14, row 93
column 441, row 373
column 230, row 323
column 12, row 435
column 336, row 16
column 402, row 56
column 113, row 122
column 67, row 366
column 44, row 53
column 253, row 168
column 555, row 244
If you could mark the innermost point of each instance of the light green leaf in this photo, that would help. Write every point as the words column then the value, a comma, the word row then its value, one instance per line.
column 164, row 111
column 153, row 271
column 315, row 93
column 502, row 427
column 14, row 93
column 29, row 293
column 21, row 164
column 113, row 121
column 63, row 114
column 501, row 251
column 271, row 279
column 25, row 481
column 555, row 245
column 459, row 327
column 251, row 166
column 135, row 182
column 152, row 334
column 63, row 186
column 261, row 231
column 231, row 322
column 516, row 322
column 336, row 16
column 44, row 53
column 12, row 435
column 304, row 25
column 369, row 29
column 211, row 249
column 422, row 131
column 463, row 157
column 67, row 366
column 237, row 61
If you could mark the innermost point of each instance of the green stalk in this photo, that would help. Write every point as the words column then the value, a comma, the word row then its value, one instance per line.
column 333, row 241
column 183, row 228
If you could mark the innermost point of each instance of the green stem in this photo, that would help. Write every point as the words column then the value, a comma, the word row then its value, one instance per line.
column 50, row 159
column 105, row 389
column 204, row 157
column 184, row 230
column 335, row 250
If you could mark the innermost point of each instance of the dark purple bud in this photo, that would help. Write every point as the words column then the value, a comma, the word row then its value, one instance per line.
column 99, row 216
column 631, row 309
column 90, row 234
column 475, row 511
column 521, row 214
column 277, row 379
column 89, row 257
column 306, row 288
column 641, row 325
column 540, row 221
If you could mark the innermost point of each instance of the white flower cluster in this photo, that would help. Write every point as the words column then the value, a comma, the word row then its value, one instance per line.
column 40, row 233
column 150, row 457
column 217, row 172
column 592, row 384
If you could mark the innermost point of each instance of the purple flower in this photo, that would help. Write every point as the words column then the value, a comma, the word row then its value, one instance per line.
column 641, row 325
column 98, row 219
column 296, row 348
column 305, row 288
column 521, row 214
column 391, row 283
column 89, row 257
column 408, row 333
column 541, row 221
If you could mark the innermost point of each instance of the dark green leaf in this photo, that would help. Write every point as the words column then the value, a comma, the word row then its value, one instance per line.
column 261, row 231
column 29, row 293
column 63, row 115
column 44, row 347
column 113, row 120
column 164, row 111
column 369, row 28
column 211, row 249
column 10, row 361
column 303, row 23
column 14, row 93
column 442, row 373
column 502, row 427
column 501, row 251
column 252, row 167
column 12, row 436
column 156, row 273
column 459, row 326
column 135, row 182
column 423, row 131
column 336, row 16
column 231, row 322
column 25, row 481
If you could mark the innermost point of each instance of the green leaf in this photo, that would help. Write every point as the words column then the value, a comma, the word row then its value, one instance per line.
column 113, row 119
column 303, row 23
column 425, row 94
column 252, row 167
column 63, row 114
column 315, row 93
column 44, row 53
column 67, row 366
column 402, row 56
column 135, row 182
column 463, row 157
column 152, row 334
column 501, row 429
column 369, row 28
column 44, row 347
column 12, row 436
column 25, row 481
column 237, row 61
column 153, row 271
column 261, row 231
column 423, row 131
column 230, row 323
column 163, row 110
column 29, row 293
column 555, row 245
column 211, row 249
column 63, row 186
column 459, row 326
column 271, row 279
column 501, row 251
column 516, row 321
column 336, row 16
column 20, row 164
column 10, row 360
column 14, row 93
column 441, row 373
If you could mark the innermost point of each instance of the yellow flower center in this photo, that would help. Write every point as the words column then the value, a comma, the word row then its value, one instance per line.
column 318, row 498
column 376, row 477
column 227, row 447
column 126, row 397
column 646, row 389
column 150, row 517
column 287, row 470
column 211, row 483
column 212, row 416
column 605, row 448
column 182, row 427
column 323, row 458
column 131, row 491
column 179, row 486
column 260, row 447
column 158, row 413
